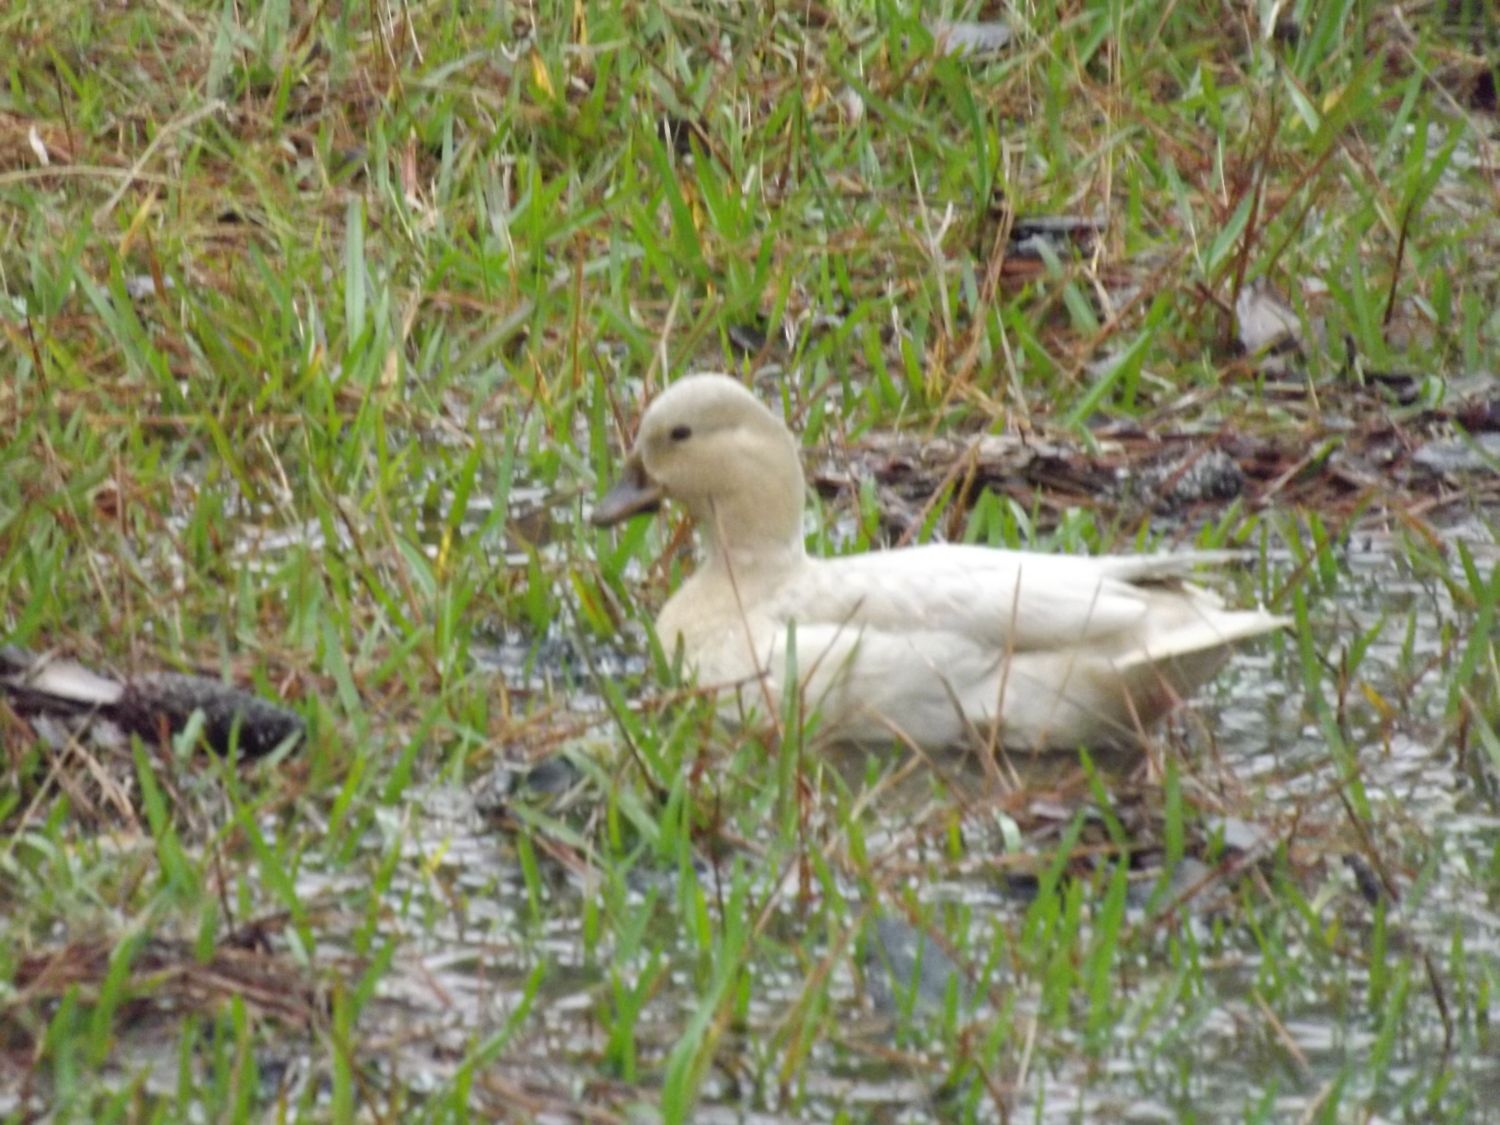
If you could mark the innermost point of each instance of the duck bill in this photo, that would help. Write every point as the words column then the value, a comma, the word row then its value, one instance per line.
column 633, row 493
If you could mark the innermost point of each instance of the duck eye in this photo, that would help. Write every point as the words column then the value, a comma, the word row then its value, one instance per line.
column 681, row 433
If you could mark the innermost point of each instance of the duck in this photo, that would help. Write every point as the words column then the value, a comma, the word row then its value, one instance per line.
column 935, row 645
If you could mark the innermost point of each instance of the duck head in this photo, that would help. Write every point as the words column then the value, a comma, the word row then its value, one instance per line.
column 710, row 445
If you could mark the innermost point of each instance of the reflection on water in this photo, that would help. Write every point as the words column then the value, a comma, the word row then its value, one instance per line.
column 469, row 939
column 1248, row 743
column 496, row 935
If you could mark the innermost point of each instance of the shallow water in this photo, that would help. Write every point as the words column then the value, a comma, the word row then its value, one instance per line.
column 1433, row 826
column 482, row 950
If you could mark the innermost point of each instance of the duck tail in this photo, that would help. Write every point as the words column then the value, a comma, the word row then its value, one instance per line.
column 1210, row 636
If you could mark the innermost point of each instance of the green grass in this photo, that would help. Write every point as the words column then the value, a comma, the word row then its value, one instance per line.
column 321, row 326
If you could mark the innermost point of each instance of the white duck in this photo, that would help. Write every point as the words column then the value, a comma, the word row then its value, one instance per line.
column 933, row 643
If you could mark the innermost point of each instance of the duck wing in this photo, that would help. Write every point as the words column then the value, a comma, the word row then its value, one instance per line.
column 933, row 639
column 1012, row 600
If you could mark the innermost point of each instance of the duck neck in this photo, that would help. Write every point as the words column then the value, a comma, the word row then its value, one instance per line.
column 744, row 538
column 756, row 529
column 750, row 519
column 769, row 560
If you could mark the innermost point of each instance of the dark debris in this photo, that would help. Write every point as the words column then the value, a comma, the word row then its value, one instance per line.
column 1422, row 460
column 154, row 706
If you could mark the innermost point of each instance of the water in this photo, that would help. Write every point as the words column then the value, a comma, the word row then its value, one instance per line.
column 534, row 955
column 1243, row 1040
